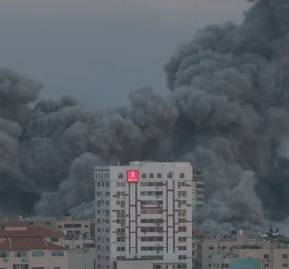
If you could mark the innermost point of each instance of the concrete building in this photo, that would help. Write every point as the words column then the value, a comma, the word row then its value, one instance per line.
column 78, row 234
column 24, row 247
column 49, row 222
column 220, row 253
column 269, row 252
column 144, row 215
column 197, row 239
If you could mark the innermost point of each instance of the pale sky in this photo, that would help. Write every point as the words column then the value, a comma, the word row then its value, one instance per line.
column 100, row 50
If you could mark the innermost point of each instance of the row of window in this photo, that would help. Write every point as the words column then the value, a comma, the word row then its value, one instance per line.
column 151, row 202
column 152, row 248
column 167, row 266
column 151, row 211
column 150, row 220
column 102, row 176
column 151, row 229
column 151, row 183
column 26, row 266
column 36, row 253
column 151, row 193
column 152, row 175
column 99, row 193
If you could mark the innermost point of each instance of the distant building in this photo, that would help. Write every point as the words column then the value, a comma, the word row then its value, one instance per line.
column 144, row 215
column 220, row 253
column 78, row 234
column 239, row 252
column 49, row 222
column 196, row 248
column 24, row 247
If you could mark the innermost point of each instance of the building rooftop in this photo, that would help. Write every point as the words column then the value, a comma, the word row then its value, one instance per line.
column 20, row 229
column 18, row 236
column 27, row 243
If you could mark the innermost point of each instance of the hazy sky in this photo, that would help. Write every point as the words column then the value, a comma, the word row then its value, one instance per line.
column 100, row 50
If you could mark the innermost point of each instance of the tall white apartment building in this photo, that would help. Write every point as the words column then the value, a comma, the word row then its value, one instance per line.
column 144, row 215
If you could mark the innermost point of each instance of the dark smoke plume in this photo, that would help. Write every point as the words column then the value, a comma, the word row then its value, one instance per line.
column 226, row 112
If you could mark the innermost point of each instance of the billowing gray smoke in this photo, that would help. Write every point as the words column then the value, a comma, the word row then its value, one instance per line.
column 226, row 112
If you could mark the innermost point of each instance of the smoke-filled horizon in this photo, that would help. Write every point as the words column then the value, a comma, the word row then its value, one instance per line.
column 226, row 111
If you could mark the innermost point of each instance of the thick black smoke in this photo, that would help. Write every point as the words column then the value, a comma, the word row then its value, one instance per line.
column 226, row 112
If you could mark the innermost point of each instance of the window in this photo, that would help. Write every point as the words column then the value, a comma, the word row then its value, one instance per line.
column 151, row 229
column 143, row 175
column 182, row 194
column 151, row 175
column 285, row 256
column 57, row 253
column 182, row 175
column 170, row 175
column 120, row 239
column 120, row 175
column 4, row 254
column 182, row 213
column 151, row 239
column 151, row 184
column 151, row 248
column 159, row 175
column 182, row 203
column 182, row 228
column 151, row 193
column 20, row 254
column 151, row 211
column 20, row 266
column 38, row 268
column 37, row 253
column 183, row 239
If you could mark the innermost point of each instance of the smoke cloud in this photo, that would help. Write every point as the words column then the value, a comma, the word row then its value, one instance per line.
column 226, row 111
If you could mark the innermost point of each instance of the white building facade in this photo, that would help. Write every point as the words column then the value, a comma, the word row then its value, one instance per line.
column 144, row 215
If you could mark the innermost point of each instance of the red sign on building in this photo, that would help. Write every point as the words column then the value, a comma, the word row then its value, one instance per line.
column 133, row 176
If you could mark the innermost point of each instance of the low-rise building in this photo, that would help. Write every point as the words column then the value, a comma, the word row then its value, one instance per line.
column 49, row 222
column 266, row 252
column 26, row 247
column 220, row 253
column 78, row 234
